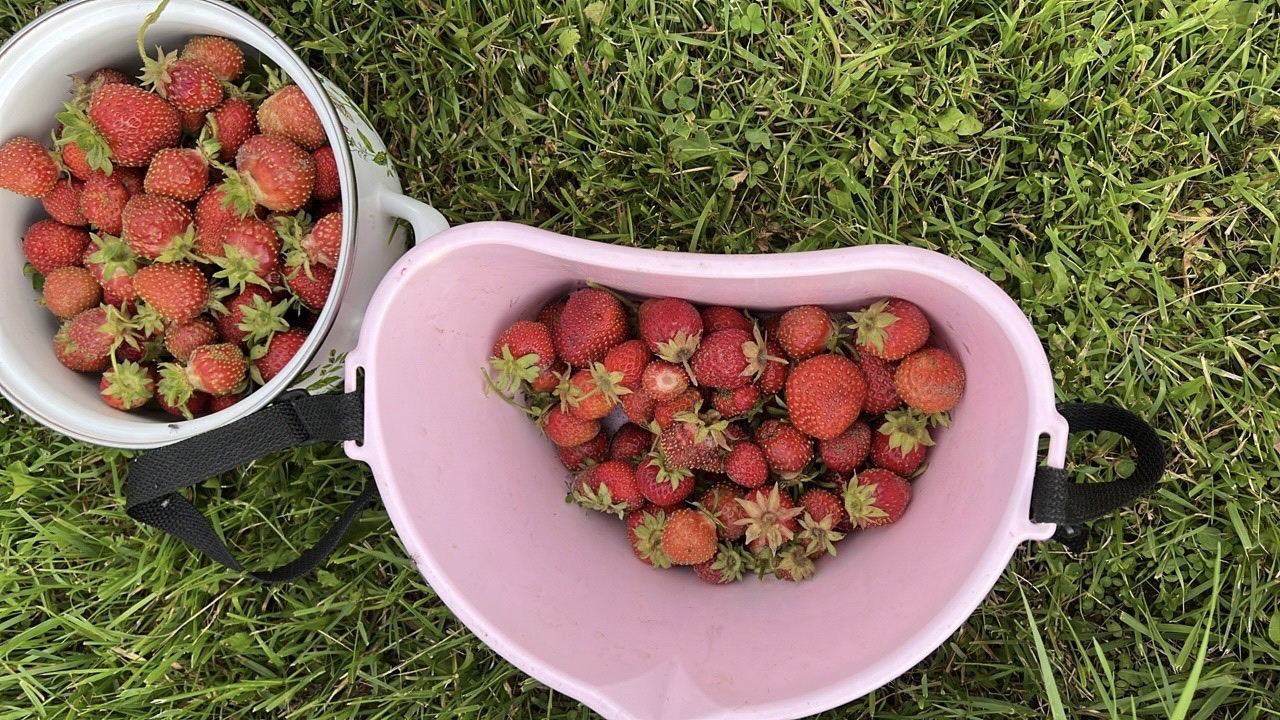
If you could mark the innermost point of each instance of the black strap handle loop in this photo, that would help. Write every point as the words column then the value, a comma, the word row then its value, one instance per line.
column 1055, row 499
column 296, row 419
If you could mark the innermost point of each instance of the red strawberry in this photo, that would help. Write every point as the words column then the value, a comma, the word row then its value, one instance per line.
column 639, row 408
column 132, row 179
column 250, row 253
column 805, row 331
column 609, row 487
column 731, row 403
column 692, row 442
column 774, row 377
column 771, row 518
column 310, row 285
column 323, row 244
column 75, row 160
column 550, row 313
column 196, row 405
column 288, row 113
column 689, row 537
column 628, row 359
column 230, row 124
column 580, row 457
column 662, row 485
column 74, row 357
column 27, row 168
column 273, row 172
column 719, row 317
column 126, row 126
column 664, row 412
column 192, row 121
column 548, row 380
column 722, row 361
column 819, row 526
column 882, row 394
column 931, row 380
column 670, row 327
column 182, row 339
column 63, row 202
column 90, row 333
column 219, row 404
column 792, row 562
column 178, row 173
column 156, row 226
column 270, row 360
column 592, row 323
column 746, row 465
column 128, row 386
column 896, row 460
column 522, row 353
column 644, row 530
column 724, row 567
column 50, row 245
column 189, row 85
column 102, row 202
column 901, row 442
column 846, row 452
column 824, row 395
column 721, row 502
column 630, row 442
column 250, row 316
column 662, row 380
column 219, row 54
column 890, row 329
column 786, row 449
column 591, row 394
column 878, row 498
column 213, row 215
column 176, row 291
column 69, row 291
column 565, row 430
column 328, row 182
column 113, row 265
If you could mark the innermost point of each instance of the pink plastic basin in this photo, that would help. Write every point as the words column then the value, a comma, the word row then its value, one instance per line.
column 477, row 495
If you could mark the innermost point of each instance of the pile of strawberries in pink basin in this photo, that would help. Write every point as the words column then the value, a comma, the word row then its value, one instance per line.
column 743, row 444
column 191, row 226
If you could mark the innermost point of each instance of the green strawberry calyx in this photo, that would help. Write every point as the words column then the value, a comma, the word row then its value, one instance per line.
column 598, row 498
column 648, row 543
column 870, row 325
column 766, row 518
column 79, row 129
column 907, row 430
column 860, row 503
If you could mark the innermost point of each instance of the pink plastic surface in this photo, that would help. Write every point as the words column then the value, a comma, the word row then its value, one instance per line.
column 477, row 495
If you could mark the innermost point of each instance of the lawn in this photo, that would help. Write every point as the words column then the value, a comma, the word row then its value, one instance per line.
column 1112, row 164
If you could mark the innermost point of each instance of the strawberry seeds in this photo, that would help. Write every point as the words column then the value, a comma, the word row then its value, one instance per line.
column 746, row 444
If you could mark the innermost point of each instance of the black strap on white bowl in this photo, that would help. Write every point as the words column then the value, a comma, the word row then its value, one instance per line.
column 1055, row 499
column 295, row 419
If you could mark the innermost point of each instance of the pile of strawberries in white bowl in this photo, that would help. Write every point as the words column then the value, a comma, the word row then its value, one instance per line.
column 193, row 226
column 742, row 444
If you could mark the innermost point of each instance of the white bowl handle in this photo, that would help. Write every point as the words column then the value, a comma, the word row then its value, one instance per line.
column 426, row 220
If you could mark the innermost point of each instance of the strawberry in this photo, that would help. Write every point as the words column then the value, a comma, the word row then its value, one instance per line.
column 191, row 121
column 310, row 285
column 323, row 244
column 157, row 227
column 230, row 124
column 289, row 114
column 901, row 442
column 639, row 408
column 220, row 55
column 76, row 161
column 931, row 380
column 630, row 442
column 181, row 339
column 125, row 126
column 177, row 173
column 662, row 380
column 591, row 394
column 720, row 501
column 132, row 179
column 196, row 405
column 592, row 323
column 190, row 85
column 663, row 485
column 609, row 487
column 694, row 442
column 69, row 291
column 746, row 465
column 565, row 430
column 890, row 329
column 550, row 313
column 896, row 460
column 824, row 395
column 846, row 452
column 882, row 394
column 522, row 353
column 735, row 402
column 27, row 168
column 580, row 457
column 250, row 253
column 770, row 518
column 806, row 331
column 128, row 386
column 270, row 360
column 102, row 201
column 644, row 531
column 548, row 380
column 250, row 316
column 719, row 317
column 219, row 404
column 792, row 562
column 49, row 245
column 877, row 498
column 113, row 265
column 670, row 327
column 726, row 566
column 74, row 357
column 689, row 537
column 273, row 172
column 89, row 333
column 63, row 202
column 774, row 377
column 664, row 413
column 823, row 515
column 786, row 449
column 176, row 291
column 328, row 182
column 213, row 215
column 722, row 361
column 629, row 360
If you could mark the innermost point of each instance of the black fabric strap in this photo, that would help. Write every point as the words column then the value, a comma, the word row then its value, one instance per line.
column 1055, row 499
column 294, row 420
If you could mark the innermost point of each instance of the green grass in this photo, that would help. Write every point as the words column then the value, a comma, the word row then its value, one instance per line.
column 1113, row 165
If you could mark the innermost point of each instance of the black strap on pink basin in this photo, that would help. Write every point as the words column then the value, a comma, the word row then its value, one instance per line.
column 297, row 419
